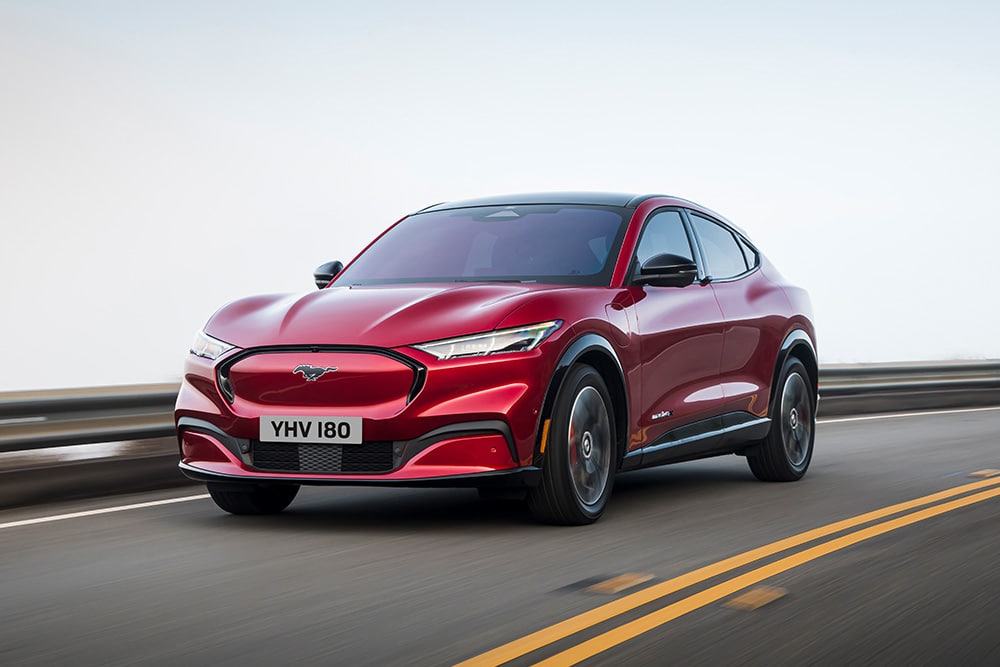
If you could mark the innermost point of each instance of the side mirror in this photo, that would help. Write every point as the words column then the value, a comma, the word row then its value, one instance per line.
column 324, row 273
column 667, row 270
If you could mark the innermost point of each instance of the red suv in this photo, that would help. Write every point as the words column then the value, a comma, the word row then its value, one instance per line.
column 544, row 342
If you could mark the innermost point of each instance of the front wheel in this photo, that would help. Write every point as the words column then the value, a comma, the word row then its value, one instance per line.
column 784, row 455
column 581, row 452
column 252, row 499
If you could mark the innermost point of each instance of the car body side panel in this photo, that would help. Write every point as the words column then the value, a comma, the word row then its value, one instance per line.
column 674, row 377
column 756, row 316
column 680, row 338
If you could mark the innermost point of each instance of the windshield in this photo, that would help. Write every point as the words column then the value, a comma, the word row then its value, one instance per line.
column 551, row 243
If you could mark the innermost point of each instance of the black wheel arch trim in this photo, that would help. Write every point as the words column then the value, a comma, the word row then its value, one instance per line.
column 796, row 340
column 586, row 344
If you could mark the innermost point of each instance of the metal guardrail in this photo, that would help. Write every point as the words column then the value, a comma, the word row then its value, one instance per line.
column 54, row 418
column 848, row 389
column 42, row 419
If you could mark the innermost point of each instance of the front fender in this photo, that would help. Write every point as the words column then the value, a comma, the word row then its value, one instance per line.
column 594, row 349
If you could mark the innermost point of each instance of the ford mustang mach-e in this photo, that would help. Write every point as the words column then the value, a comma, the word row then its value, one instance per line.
column 543, row 342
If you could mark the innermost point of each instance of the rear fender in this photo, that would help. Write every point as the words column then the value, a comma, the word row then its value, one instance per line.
column 796, row 344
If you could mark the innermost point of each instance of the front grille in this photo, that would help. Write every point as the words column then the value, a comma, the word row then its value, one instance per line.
column 367, row 457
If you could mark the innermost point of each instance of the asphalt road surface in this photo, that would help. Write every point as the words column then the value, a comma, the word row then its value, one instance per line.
column 706, row 566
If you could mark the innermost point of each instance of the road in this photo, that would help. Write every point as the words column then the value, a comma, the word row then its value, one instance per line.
column 360, row 576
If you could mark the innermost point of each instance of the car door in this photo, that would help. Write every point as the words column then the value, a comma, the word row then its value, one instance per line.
column 680, row 338
column 752, row 307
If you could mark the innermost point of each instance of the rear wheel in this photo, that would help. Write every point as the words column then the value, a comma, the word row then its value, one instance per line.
column 581, row 453
column 246, row 499
column 784, row 455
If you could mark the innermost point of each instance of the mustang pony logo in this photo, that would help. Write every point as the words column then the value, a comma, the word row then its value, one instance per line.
column 313, row 373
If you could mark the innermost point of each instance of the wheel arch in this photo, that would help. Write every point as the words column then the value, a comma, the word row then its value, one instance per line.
column 596, row 351
column 799, row 345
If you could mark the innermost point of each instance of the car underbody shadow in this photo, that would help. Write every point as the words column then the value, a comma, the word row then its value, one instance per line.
column 366, row 509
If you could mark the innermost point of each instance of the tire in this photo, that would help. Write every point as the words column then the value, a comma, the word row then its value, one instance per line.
column 784, row 455
column 243, row 499
column 581, row 454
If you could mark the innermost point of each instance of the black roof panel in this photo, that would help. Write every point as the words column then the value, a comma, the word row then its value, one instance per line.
column 598, row 198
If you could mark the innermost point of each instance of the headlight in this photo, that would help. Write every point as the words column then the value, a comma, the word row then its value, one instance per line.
column 504, row 341
column 208, row 347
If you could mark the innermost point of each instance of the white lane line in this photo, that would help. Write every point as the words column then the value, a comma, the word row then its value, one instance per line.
column 106, row 510
column 896, row 415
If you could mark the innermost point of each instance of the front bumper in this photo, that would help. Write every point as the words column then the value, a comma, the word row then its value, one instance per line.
column 472, row 423
column 466, row 454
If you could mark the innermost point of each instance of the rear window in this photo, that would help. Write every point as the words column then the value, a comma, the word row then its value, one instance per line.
column 722, row 252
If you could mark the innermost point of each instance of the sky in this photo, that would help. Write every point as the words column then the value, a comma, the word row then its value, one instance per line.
column 160, row 159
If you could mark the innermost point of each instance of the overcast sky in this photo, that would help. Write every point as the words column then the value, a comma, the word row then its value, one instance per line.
column 158, row 159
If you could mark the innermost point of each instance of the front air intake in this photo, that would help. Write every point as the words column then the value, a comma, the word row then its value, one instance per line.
column 368, row 457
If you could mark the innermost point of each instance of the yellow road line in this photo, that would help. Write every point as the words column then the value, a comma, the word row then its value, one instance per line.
column 621, row 634
column 553, row 633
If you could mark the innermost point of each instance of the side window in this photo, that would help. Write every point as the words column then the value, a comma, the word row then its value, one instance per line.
column 664, row 232
column 722, row 252
column 748, row 252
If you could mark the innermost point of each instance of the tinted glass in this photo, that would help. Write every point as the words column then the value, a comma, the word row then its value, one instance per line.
column 749, row 253
column 664, row 233
column 722, row 252
column 534, row 243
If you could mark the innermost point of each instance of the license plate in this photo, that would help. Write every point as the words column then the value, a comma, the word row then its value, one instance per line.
column 315, row 430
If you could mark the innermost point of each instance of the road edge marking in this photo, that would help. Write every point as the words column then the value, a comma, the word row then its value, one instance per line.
column 104, row 510
column 896, row 415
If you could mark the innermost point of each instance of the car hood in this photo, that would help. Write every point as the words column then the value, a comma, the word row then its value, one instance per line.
column 379, row 316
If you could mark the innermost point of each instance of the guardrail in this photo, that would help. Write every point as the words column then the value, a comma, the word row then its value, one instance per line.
column 53, row 418
column 35, row 427
column 34, row 421
column 847, row 389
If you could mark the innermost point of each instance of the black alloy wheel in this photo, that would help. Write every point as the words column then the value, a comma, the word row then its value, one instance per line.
column 581, row 454
column 784, row 455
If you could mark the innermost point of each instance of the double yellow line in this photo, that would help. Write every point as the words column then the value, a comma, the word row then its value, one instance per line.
column 932, row 505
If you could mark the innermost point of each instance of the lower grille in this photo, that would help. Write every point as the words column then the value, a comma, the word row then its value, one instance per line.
column 367, row 457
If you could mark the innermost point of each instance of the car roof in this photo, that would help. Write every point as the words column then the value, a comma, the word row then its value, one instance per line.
column 594, row 198
column 624, row 200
